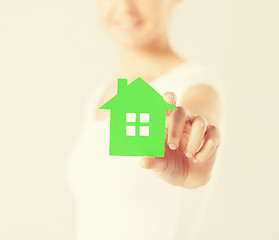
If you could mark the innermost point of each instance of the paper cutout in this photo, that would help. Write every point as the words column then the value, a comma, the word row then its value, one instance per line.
column 137, row 120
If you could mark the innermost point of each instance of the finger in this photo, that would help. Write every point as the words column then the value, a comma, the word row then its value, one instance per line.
column 191, row 117
column 199, row 126
column 176, row 126
column 211, row 142
column 170, row 97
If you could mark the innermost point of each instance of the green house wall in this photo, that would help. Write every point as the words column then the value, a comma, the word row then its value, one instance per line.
column 152, row 145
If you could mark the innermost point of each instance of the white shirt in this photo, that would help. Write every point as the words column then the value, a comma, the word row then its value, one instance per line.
column 117, row 199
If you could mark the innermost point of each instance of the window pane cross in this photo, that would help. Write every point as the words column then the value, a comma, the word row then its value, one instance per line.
column 137, row 124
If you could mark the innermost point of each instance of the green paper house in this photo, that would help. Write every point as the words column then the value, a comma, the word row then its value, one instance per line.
column 137, row 120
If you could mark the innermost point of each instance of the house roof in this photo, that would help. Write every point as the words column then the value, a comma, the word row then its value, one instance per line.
column 138, row 95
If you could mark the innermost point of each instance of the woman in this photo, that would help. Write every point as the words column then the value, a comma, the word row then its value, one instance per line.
column 119, row 197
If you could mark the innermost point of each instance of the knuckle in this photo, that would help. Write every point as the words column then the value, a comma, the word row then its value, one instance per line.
column 202, row 156
column 217, row 132
column 211, row 143
column 214, row 129
column 174, row 135
column 180, row 112
column 200, row 122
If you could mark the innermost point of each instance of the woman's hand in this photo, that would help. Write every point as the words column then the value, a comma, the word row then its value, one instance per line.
column 191, row 145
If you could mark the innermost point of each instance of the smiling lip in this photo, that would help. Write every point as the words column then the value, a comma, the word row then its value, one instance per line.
column 128, row 25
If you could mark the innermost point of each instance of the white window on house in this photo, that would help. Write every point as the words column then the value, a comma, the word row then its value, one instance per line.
column 130, row 117
column 130, row 130
column 144, row 130
column 144, row 117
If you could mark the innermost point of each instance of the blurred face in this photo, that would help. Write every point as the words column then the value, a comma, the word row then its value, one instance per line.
column 134, row 22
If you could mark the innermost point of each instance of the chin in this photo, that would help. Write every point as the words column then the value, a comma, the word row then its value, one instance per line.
column 139, row 40
column 130, row 37
column 130, row 43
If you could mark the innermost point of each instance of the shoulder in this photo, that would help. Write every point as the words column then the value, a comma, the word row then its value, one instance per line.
column 204, row 82
column 202, row 90
column 200, row 72
column 201, row 94
column 204, row 93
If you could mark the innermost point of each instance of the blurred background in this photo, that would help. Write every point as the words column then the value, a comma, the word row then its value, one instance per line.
column 52, row 52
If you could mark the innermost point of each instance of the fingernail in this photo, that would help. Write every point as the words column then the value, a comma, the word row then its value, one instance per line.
column 173, row 96
column 188, row 154
column 172, row 146
column 195, row 160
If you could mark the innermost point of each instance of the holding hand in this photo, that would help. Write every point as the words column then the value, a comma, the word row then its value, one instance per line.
column 191, row 145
